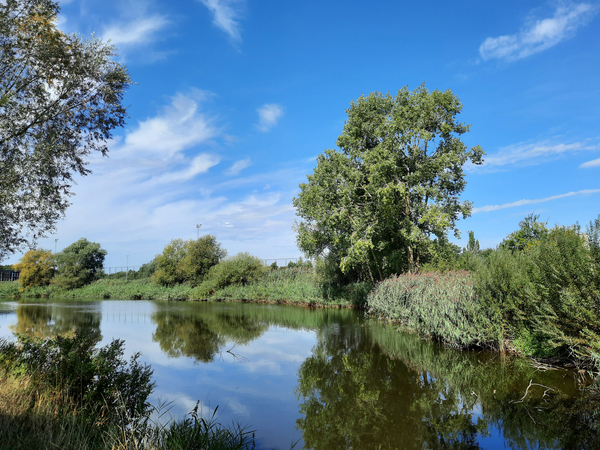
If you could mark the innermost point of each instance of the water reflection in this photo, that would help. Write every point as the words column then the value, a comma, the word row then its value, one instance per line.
column 372, row 387
column 196, row 334
column 330, row 377
column 48, row 319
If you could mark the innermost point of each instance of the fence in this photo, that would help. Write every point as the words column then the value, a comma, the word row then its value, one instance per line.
column 132, row 272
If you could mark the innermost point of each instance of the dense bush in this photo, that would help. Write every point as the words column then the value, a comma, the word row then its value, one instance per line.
column 37, row 268
column 187, row 261
column 97, row 380
column 548, row 294
column 242, row 268
column 442, row 306
column 79, row 264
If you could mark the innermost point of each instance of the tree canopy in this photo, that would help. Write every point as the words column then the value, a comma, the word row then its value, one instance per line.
column 79, row 263
column 60, row 97
column 375, row 204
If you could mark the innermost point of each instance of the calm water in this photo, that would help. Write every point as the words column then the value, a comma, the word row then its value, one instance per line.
column 326, row 378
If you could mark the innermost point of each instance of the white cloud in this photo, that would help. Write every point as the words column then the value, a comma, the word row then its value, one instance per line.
column 268, row 115
column 179, row 126
column 489, row 208
column 538, row 35
column 530, row 154
column 238, row 166
column 226, row 15
column 198, row 165
column 592, row 163
column 139, row 31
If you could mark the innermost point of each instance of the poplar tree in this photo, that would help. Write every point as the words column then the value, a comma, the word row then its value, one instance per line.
column 394, row 183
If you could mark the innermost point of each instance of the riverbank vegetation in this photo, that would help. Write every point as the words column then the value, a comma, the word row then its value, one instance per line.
column 63, row 392
column 538, row 294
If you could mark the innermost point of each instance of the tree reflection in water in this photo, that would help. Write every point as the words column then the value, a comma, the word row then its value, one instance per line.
column 50, row 319
column 371, row 387
column 185, row 332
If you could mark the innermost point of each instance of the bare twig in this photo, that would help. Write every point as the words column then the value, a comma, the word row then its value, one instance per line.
column 531, row 383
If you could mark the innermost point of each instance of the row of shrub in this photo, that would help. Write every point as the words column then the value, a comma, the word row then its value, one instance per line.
column 538, row 292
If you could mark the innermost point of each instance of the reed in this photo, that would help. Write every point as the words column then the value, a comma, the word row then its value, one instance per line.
column 442, row 306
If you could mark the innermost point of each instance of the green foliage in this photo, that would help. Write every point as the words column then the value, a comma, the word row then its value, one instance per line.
column 148, row 269
column 442, row 306
column 37, row 268
column 9, row 289
column 60, row 99
column 473, row 245
column 593, row 238
column 529, row 234
column 300, row 263
column 79, row 264
column 97, row 380
column 200, row 256
column 169, row 269
column 187, row 261
column 395, row 182
column 242, row 268
column 195, row 432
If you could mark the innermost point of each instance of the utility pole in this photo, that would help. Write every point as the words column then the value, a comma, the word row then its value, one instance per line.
column 127, row 273
column 198, row 230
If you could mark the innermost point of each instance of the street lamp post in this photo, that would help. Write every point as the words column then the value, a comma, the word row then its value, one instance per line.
column 127, row 273
column 55, row 241
column 198, row 230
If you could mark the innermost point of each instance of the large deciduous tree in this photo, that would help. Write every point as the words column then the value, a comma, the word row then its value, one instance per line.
column 60, row 97
column 376, row 203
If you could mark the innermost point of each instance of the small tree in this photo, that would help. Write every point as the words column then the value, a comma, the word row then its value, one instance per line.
column 79, row 264
column 201, row 255
column 169, row 271
column 529, row 234
column 187, row 261
column 37, row 268
column 473, row 245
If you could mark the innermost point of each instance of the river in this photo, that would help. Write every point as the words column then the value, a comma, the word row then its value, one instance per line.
column 327, row 378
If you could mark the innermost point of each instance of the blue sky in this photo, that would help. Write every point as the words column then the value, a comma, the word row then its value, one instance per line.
column 235, row 99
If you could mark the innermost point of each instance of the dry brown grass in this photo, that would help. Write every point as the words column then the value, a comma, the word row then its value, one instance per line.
column 34, row 418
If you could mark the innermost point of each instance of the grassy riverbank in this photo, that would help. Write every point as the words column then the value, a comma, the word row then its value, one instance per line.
column 292, row 286
column 61, row 392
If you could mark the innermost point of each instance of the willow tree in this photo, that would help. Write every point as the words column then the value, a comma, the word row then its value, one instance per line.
column 376, row 203
column 60, row 98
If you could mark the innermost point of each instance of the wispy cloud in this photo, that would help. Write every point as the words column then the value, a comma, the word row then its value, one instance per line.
column 592, row 163
column 179, row 126
column 529, row 154
column 238, row 166
column 139, row 31
column 538, row 34
column 226, row 15
column 268, row 115
column 489, row 208
column 159, row 182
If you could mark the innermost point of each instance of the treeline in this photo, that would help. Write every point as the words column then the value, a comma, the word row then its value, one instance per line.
column 199, row 267
column 538, row 293
column 77, row 265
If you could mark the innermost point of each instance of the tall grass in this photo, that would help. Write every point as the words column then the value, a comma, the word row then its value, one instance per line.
column 50, row 399
column 286, row 285
column 443, row 307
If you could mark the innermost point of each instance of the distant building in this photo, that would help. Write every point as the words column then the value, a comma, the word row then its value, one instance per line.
column 9, row 275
